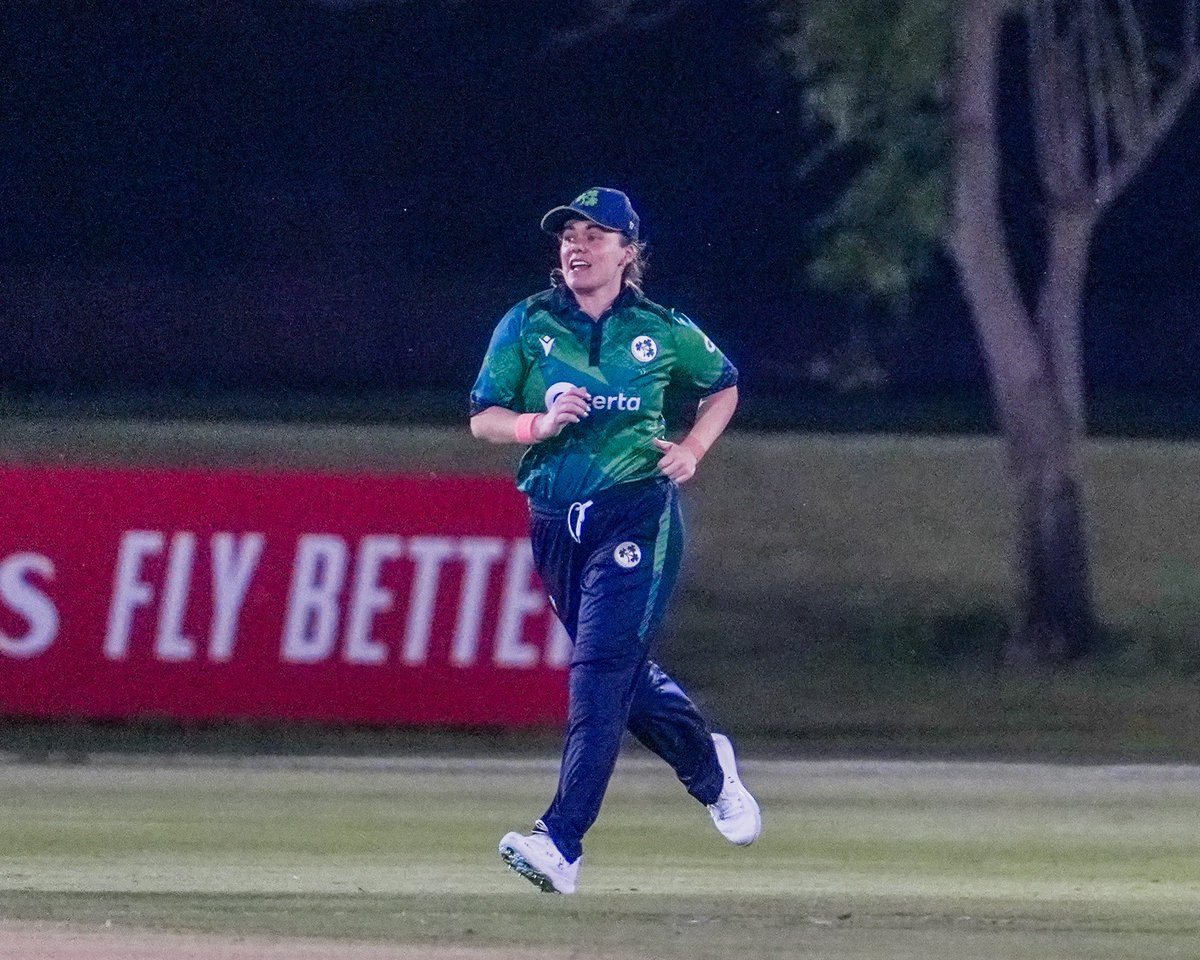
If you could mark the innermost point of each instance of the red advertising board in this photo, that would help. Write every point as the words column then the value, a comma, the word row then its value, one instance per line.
column 225, row 594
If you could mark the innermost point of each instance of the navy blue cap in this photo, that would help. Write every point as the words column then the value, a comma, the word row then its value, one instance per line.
column 605, row 206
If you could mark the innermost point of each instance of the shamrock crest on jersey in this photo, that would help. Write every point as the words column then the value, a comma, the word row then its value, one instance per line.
column 644, row 348
column 628, row 554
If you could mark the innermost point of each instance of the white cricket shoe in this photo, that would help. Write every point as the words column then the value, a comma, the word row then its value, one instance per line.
column 539, row 861
column 735, row 811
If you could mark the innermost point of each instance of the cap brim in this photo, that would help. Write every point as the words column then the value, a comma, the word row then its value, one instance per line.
column 556, row 219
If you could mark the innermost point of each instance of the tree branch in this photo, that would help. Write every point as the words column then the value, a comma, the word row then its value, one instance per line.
column 1044, row 109
column 1135, row 44
column 610, row 15
column 1126, row 109
column 1093, row 78
column 1067, row 95
column 977, row 239
column 1071, row 110
column 1166, row 112
column 817, row 157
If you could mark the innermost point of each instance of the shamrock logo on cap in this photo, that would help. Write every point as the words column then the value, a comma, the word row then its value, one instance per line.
column 589, row 198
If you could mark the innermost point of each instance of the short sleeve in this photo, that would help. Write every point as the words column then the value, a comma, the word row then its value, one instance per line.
column 699, row 365
column 503, row 372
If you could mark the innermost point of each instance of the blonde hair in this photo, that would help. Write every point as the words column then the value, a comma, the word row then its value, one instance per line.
column 635, row 269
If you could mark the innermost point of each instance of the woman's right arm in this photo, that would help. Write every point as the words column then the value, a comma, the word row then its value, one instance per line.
column 498, row 424
column 495, row 424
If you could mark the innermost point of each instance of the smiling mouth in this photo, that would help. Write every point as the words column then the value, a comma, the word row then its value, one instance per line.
column 579, row 265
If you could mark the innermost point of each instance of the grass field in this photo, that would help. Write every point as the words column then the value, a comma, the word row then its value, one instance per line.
column 858, row 860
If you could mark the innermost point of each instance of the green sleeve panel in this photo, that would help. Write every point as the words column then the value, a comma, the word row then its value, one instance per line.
column 502, row 376
column 699, row 365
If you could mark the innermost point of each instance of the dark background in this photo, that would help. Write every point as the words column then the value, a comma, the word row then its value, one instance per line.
column 283, row 209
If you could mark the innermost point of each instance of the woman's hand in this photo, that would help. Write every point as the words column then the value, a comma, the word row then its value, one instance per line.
column 679, row 459
column 678, row 462
column 570, row 406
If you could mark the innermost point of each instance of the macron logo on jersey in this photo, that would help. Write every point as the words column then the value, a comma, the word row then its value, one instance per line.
column 547, row 343
column 621, row 401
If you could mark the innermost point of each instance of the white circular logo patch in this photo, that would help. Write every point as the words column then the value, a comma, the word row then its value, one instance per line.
column 628, row 554
column 555, row 389
column 709, row 345
column 644, row 348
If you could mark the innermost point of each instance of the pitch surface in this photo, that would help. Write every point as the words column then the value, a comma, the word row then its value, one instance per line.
column 361, row 859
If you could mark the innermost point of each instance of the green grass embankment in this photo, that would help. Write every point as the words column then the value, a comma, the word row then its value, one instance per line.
column 841, row 592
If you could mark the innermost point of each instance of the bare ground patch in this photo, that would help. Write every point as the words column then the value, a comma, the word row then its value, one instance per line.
column 47, row 941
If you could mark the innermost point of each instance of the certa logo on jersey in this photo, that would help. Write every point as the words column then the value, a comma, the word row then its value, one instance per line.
column 622, row 401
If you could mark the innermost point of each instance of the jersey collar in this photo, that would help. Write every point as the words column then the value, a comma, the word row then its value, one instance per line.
column 565, row 301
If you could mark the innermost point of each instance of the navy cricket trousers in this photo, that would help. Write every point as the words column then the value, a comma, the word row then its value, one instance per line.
column 609, row 565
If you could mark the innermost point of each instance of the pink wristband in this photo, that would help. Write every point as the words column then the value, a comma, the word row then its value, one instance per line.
column 523, row 428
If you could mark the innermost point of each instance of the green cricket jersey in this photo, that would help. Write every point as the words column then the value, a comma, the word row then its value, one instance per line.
column 627, row 360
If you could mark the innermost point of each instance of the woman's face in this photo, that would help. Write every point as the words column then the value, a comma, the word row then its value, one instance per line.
column 591, row 257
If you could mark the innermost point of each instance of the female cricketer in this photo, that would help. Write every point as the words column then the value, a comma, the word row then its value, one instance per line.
column 577, row 374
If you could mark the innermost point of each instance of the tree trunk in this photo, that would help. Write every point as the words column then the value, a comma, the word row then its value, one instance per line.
column 1055, row 621
column 1033, row 368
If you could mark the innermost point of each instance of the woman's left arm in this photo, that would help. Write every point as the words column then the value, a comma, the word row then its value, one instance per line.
column 679, row 459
